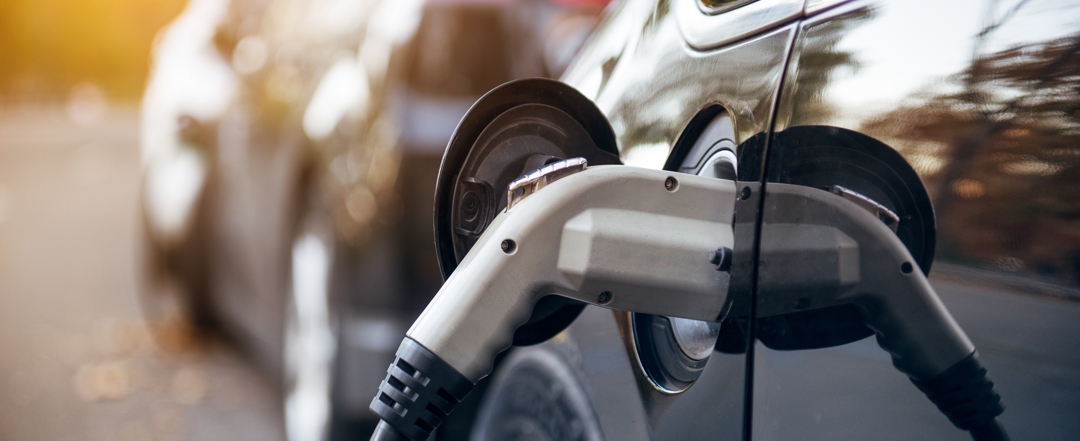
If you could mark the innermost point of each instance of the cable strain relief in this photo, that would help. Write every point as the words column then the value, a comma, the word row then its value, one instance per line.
column 419, row 391
column 384, row 432
column 990, row 431
column 964, row 394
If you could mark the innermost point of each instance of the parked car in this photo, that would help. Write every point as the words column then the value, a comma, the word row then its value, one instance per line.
column 958, row 118
column 290, row 150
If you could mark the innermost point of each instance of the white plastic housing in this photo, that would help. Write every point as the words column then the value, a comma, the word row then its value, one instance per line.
column 626, row 231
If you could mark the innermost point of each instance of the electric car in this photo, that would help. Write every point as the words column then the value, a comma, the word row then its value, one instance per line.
column 953, row 123
column 290, row 150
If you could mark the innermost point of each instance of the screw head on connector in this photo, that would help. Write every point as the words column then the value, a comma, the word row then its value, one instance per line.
column 721, row 257
column 671, row 184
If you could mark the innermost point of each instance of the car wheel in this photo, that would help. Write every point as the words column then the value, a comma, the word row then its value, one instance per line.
column 536, row 396
column 310, row 343
column 172, row 291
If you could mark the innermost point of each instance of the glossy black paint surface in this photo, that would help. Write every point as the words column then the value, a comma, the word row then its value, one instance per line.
column 649, row 84
column 978, row 97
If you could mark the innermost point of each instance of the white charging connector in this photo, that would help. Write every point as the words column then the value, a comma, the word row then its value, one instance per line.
column 622, row 237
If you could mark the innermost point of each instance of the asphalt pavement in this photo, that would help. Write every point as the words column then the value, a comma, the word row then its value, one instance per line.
column 76, row 361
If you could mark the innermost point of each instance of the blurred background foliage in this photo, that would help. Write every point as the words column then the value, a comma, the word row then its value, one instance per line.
column 48, row 47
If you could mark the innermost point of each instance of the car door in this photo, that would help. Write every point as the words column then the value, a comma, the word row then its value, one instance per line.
column 679, row 81
column 977, row 98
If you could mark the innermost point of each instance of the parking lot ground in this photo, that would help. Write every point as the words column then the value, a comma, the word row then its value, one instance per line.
column 76, row 361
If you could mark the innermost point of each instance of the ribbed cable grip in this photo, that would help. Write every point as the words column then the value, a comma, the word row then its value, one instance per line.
column 419, row 391
column 965, row 395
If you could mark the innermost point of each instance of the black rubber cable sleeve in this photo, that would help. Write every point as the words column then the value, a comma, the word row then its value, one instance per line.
column 383, row 432
column 967, row 397
column 419, row 392
column 990, row 431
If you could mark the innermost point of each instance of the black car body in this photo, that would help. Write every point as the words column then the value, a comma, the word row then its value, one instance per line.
column 979, row 98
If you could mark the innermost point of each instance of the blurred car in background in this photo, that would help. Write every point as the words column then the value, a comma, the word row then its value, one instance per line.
column 290, row 149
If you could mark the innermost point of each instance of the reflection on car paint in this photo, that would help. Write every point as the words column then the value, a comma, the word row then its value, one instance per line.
column 975, row 101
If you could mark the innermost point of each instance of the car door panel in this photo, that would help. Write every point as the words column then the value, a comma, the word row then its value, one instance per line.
column 972, row 96
column 651, row 87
